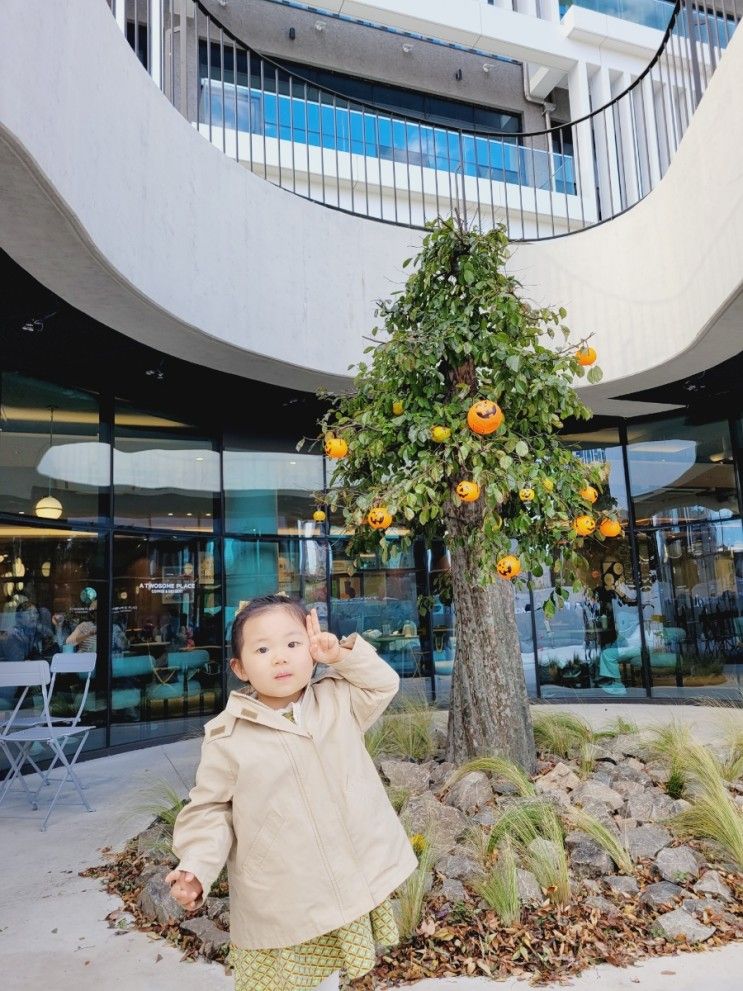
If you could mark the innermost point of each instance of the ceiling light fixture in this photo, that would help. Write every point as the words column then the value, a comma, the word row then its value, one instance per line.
column 49, row 508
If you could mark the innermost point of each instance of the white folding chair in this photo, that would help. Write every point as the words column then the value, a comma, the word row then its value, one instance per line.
column 36, row 674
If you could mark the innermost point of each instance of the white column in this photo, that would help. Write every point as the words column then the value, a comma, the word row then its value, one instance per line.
column 580, row 105
column 605, row 144
column 504, row 4
column 628, row 141
column 648, row 109
column 549, row 10
column 527, row 7
column 155, row 35
column 120, row 14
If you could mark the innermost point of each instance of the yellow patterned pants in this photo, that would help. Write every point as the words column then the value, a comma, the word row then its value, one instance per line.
column 301, row 968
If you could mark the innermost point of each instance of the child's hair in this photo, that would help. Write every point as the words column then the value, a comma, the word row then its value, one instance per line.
column 259, row 605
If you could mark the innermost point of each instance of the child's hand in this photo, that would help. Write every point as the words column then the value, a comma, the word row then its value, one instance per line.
column 324, row 647
column 184, row 888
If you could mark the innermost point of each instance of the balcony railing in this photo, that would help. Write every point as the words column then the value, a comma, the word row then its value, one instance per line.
column 352, row 156
column 717, row 25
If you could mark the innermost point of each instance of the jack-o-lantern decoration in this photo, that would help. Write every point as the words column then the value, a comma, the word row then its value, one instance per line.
column 319, row 516
column 468, row 491
column 509, row 566
column 586, row 356
column 584, row 525
column 379, row 518
column 336, row 447
column 398, row 407
column 526, row 495
column 440, row 434
column 610, row 528
column 484, row 417
column 589, row 494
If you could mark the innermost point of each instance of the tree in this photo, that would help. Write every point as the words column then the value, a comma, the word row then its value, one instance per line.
column 460, row 332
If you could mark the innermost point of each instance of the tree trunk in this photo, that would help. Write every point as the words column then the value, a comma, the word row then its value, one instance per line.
column 489, row 709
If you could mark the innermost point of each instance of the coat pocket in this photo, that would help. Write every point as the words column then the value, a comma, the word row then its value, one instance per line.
column 262, row 843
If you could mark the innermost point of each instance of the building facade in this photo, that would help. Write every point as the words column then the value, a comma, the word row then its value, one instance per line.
column 150, row 477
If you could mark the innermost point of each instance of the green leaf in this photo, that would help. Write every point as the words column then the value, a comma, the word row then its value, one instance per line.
column 522, row 449
column 594, row 375
column 513, row 361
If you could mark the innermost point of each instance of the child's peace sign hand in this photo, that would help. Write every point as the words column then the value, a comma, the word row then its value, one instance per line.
column 324, row 647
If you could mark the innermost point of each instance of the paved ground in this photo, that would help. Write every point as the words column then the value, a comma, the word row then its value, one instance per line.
column 52, row 929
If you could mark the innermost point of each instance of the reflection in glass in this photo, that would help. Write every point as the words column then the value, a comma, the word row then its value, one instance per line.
column 51, row 461
column 269, row 492
column 166, row 635
column 166, row 473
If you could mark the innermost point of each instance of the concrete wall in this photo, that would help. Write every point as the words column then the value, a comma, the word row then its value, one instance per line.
column 112, row 200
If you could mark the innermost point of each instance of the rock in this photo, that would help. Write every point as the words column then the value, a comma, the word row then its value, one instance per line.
column 156, row 902
column 622, row 885
column 453, row 890
column 623, row 824
column 440, row 737
column 460, row 867
column 660, row 893
column 677, row 864
column 710, row 883
column 602, row 755
column 698, row 906
column 602, row 778
column 658, row 773
column 602, row 813
column 529, row 891
column 425, row 814
column 153, row 841
column 627, row 745
column 503, row 787
column 596, row 791
column 679, row 924
column 405, row 774
column 651, row 806
column 627, row 787
column 440, row 772
column 590, row 886
column 587, row 857
column 604, row 906
column 211, row 937
column 646, row 841
column 486, row 816
column 470, row 793
column 216, row 906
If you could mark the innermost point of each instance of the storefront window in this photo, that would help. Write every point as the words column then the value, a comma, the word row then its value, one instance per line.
column 166, row 473
column 166, row 635
column 52, row 583
column 269, row 492
column 52, row 462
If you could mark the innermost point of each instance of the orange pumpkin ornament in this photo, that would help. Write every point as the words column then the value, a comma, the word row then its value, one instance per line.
column 484, row 417
column 586, row 356
column 509, row 566
column 610, row 528
column 319, row 516
column 379, row 518
column 398, row 407
column 336, row 447
column 440, row 434
column 584, row 525
column 526, row 495
column 589, row 494
column 468, row 491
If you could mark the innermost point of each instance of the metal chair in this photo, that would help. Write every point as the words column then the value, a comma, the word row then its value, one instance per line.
column 27, row 675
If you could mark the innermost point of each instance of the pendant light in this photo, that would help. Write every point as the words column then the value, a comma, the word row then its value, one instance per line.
column 49, row 508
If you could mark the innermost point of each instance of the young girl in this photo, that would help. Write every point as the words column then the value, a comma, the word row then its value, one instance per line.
column 288, row 796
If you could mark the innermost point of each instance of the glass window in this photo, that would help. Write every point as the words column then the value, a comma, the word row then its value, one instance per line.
column 166, row 473
column 166, row 635
column 270, row 492
column 681, row 472
column 52, row 462
column 602, row 447
column 51, row 584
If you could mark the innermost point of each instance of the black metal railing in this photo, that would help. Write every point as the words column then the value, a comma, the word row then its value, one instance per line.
column 352, row 156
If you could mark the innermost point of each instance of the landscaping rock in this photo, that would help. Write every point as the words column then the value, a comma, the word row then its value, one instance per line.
column 470, row 793
column 486, row 816
column 602, row 778
column 646, row 841
column 153, row 843
column 602, row 813
column 156, row 902
column 590, row 886
column 596, row 791
column 587, row 857
column 440, row 772
column 405, row 774
column 529, row 891
column 460, row 867
column 425, row 814
column 679, row 924
column 560, row 778
column 604, row 906
column 627, row 787
column 453, row 890
column 660, row 893
column 710, row 883
column 216, row 907
column 698, row 906
column 651, row 806
column 211, row 937
column 678, row 805
column 627, row 745
column 623, row 885
column 677, row 864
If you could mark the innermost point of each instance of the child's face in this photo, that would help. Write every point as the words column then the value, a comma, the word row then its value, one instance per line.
column 275, row 656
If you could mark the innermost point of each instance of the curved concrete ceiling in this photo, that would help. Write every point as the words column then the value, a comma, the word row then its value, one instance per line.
column 110, row 199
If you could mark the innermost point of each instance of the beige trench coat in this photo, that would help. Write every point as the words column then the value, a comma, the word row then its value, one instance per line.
column 299, row 815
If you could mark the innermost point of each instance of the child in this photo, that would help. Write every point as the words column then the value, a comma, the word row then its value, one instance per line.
column 288, row 796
